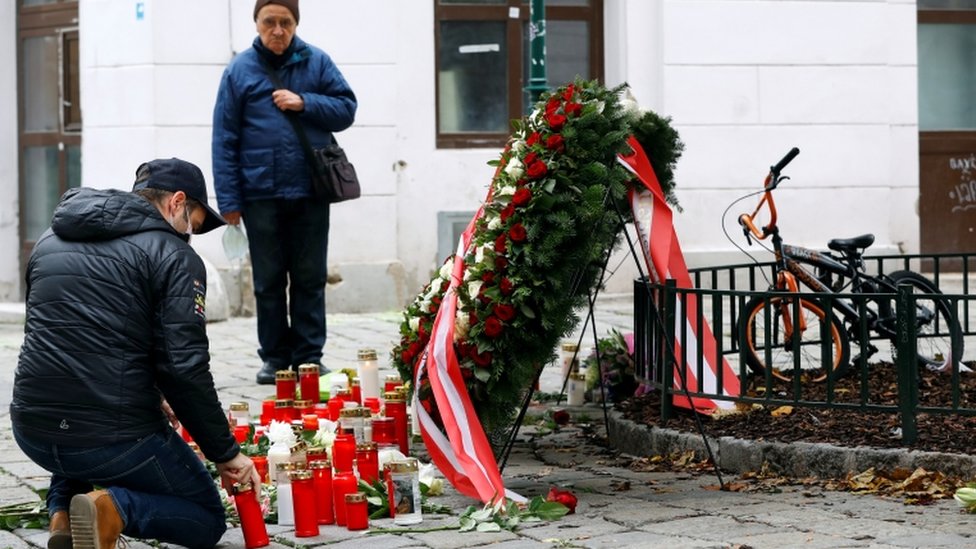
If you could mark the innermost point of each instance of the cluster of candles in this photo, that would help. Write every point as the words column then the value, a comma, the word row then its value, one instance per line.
column 313, row 487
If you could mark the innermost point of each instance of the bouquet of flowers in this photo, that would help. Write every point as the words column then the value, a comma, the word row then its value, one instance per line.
column 538, row 247
column 615, row 366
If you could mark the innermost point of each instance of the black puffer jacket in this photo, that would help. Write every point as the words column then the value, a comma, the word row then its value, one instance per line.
column 115, row 315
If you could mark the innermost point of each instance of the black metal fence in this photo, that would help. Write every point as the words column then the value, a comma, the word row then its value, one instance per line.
column 665, row 336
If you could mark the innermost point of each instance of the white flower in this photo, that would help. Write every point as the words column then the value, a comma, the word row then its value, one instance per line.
column 435, row 486
column 462, row 323
column 414, row 324
column 389, row 454
column 446, row 269
column 518, row 146
column 479, row 256
column 514, row 168
column 505, row 190
column 629, row 104
column 494, row 224
column 326, row 434
column 474, row 287
column 281, row 432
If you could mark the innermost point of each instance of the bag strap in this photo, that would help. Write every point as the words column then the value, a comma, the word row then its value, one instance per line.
column 293, row 118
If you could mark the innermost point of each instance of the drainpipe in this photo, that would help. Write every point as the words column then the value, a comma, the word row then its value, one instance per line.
column 537, row 50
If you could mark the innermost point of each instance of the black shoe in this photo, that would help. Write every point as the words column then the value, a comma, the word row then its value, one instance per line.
column 266, row 375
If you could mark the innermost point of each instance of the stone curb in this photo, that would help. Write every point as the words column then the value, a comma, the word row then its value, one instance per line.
column 798, row 459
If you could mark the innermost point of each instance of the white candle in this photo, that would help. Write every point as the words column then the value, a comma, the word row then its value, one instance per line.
column 369, row 375
column 570, row 358
column 577, row 385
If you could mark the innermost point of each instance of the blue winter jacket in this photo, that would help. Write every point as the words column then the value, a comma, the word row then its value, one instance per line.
column 256, row 154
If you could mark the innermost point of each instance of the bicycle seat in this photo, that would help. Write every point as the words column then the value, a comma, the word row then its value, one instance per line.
column 851, row 244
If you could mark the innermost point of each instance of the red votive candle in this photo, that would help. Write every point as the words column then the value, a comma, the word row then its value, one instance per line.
column 252, row 521
column 373, row 403
column 285, row 384
column 335, row 406
column 396, row 407
column 343, row 452
column 185, row 434
column 367, row 462
column 357, row 516
column 267, row 410
column 342, row 483
column 391, row 383
column 356, row 390
column 310, row 422
column 308, row 377
column 322, row 481
column 322, row 410
column 384, row 431
column 303, row 498
column 241, row 432
column 284, row 409
column 261, row 466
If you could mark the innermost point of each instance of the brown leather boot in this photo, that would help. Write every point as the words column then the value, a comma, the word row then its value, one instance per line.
column 95, row 522
column 59, row 535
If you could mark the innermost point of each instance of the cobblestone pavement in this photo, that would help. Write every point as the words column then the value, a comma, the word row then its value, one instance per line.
column 617, row 507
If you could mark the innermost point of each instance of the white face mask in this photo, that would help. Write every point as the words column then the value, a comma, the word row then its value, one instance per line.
column 188, row 231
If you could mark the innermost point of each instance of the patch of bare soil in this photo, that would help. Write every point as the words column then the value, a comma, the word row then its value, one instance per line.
column 939, row 432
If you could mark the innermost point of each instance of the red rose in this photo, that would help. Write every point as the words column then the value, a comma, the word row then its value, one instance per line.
column 432, row 308
column 422, row 331
column 466, row 373
column 500, row 243
column 482, row 359
column 556, row 121
column 553, row 105
column 537, row 169
column 508, row 211
column 482, row 296
column 436, row 300
column 444, row 286
column 506, row 286
column 493, row 327
column 488, row 277
column 517, row 233
column 564, row 497
column 416, row 347
column 472, row 318
column 520, row 182
column 568, row 93
column 406, row 356
column 501, row 263
column 504, row 311
column 533, row 139
column 555, row 143
column 573, row 109
column 530, row 158
column 521, row 197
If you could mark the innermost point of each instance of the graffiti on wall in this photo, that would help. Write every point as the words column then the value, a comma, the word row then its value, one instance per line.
column 963, row 193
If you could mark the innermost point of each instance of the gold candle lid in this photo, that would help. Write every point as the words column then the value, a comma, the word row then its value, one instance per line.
column 393, row 377
column 357, row 497
column 302, row 474
column 567, row 346
column 242, row 487
column 286, row 466
column 578, row 377
column 308, row 369
column 366, row 354
column 366, row 447
column 355, row 382
column 343, row 392
column 320, row 464
column 284, row 403
column 393, row 396
column 349, row 412
column 239, row 407
column 285, row 375
column 402, row 466
column 298, row 447
column 303, row 403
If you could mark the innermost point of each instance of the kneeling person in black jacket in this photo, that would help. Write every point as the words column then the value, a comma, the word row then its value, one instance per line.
column 116, row 329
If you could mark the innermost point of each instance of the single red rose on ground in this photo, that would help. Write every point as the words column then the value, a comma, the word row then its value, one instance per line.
column 504, row 311
column 507, row 212
column 517, row 233
column 555, row 143
column 500, row 243
column 521, row 197
column 560, row 416
column 556, row 121
column 493, row 327
column 564, row 497
column 537, row 169
column 506, row 286
column 573, row 109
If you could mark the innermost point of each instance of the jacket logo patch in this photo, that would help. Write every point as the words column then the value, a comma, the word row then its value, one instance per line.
column 199, row 299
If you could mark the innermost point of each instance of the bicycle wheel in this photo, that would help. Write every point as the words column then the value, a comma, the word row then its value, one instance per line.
column 938, row 336
column 780, row 339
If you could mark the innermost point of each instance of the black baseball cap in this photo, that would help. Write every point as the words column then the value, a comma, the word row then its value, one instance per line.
column 173, row 174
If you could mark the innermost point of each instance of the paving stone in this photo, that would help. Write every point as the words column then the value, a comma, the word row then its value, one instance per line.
column 456, row 540
column 574, row 527
column 716, row 528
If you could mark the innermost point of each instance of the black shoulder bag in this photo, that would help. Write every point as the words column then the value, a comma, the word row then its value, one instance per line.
column 333, row 176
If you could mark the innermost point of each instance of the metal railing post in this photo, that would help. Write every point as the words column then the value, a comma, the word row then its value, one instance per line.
column 907, row 363
column 667, row 375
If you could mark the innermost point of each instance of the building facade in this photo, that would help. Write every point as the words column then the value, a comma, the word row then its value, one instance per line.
column 743, row 80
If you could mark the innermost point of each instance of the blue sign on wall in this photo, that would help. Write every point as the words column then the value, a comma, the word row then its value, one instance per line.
column 140, row 11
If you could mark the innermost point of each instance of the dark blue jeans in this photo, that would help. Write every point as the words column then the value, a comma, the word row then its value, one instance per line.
column 160, row 487
column 289, row 241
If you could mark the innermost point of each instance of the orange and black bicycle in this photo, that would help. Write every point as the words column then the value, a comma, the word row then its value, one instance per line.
column 790, row 333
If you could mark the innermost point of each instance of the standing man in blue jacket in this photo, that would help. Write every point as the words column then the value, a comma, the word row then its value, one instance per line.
column 262, row 177
column 116, row 307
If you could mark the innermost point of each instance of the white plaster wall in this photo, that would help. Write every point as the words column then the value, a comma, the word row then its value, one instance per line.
column 10, row 280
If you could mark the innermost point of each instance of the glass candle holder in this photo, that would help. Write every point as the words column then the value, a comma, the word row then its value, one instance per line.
column 303, row 497
column 343, row 452
column 357, row 515
column 240, row 413
column 335, row 406
column 315, row 453
column 368, row 372
column 261, row 466
column 576, row 389
column 252, row 520
column 396, row 407
column 384, row 431
column 308, row 379
column 284, row 410
column 310, row 422
column 391, row 383
column 286, row 505
column 569, row 359
column 343, row 483
column 322, row 481
column 373, row 403
column 241, row 432
column 267, row 410
column 403, row 489
column 368, row 462
column 351, row 423
column 285, row 384
column 357, row 391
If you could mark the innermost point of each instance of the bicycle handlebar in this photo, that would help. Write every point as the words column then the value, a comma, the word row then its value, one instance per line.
column 747, row 221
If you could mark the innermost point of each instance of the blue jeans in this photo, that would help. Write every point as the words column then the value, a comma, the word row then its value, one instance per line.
column 289, row 241
column 160, row 487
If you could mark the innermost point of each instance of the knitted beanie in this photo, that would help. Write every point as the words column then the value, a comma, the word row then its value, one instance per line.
column 292, row 6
